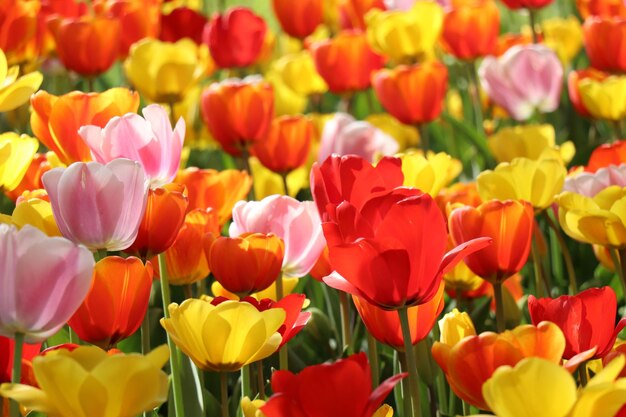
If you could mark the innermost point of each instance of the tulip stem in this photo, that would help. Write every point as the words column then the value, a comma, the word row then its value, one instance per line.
column 145, row 333
column 619, row 260
column 346, row 330
column 567, row 256
column 245, row 382
column 224, row 390
column 16, row 376
column 422, row 128
column 172, row 113
column 411, row 363
column 245, row 159
column 372, row 355
column 406, row 391
column 582, row 373
column 475, row 96
column 497, row 292
column 177, row 388
column 617, row 129
column 285, row 185
column 543, row 289
column 260, row 379
column 532, row 17
column 101, row 254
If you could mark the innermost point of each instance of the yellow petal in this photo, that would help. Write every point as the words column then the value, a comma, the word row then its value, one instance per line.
column 19, row 92
column 384, row 411
column 16, row 154
column 37, row 213
column 30, row 397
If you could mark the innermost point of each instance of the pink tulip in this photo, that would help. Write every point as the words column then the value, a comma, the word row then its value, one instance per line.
column 148, row 140
column 526, row 78
column 100, row 206
column 296, row 222
column 399, row 4
column 43, row 282
column 589, row 184
column 343, row 135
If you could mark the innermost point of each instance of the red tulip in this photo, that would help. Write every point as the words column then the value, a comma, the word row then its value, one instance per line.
column 605, row 43
column 470, row 30
column 526, row 4
column 182, row 22
column 352, row 12
column 299, row 18
column 6, row 357
column 607, row 154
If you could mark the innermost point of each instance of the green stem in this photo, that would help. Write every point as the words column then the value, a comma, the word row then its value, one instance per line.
column 100, row 254
column 346, row 329
column 567, row 256
column 475, row 95
column 532, row 20
column 224, row 390
column 245, row 382
column 582, row 374
column 432, row 397
column 188, row 291
column 372, row 355
column 424, row 138
column 74, row 339
column 283, row 358
column 172, row 113
column 542, row 289
column 245, row 160
column 497, row 293
column 466, row 408
column 177, row 388
column 16, row 376
column 458, row 297
column 145, row 333
column 617, row 129
column 283, row 176
column 441, row 394
column 619, row 256
column 279, row 288
column 403, row 314
column 260, row 380
column 406, row 387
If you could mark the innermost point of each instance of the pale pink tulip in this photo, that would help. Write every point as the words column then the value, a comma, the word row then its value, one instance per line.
column 42, row 283
column 589, row 184
column 148, row 140
column 526, row 78
column 100, row 206
column 296, row 222
column 344, row 135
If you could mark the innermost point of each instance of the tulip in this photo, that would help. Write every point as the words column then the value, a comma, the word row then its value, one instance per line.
column 246, row 334
column 590, row 184
column 297, row 71
column 86, row 202
column 406, row 136
column 344, row 135
column 116, row 303
column 604, row 99
column 246, row 264
column 88, row 372
column 235, row 38
column 37, row 213
column 471, row 30
column 18, row 20
column 528, row 141
column 163, row 218
column 465, row 193
column 289, row 285
column 454, row 327
column 16, row 153
column 14, row 90
column 346, row 62
column 286, row 100
column 62, row 271
column 182, row 22
column 607, row 154
column 296, row 222
column 600, row 8
column 564, row 36
column 587, row 319
column 267, row 183
column 7, row 349
column 573, row 81
column 292, row 392
column 352, row 12
column 412, row 94
column 298, row 19
column 526, row 78
column 604, row 40
column 431, row 173
column 526, row 4
column 222, row 105
column 149, row 140
column 55, row 120
column 165, row 72
column 384, row 325
column 219, row 190
column 32, row 178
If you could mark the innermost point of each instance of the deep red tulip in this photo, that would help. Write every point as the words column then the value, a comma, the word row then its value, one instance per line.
column 605, row 43
column 6, row 357
column 299, row 18
column 182, row 22
column 526, row 4
column 587, row 319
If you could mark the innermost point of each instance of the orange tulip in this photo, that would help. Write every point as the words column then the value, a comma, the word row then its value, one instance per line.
column 117, row 301
column 605, row 43
column 472, row 361
column 601, row 8
column 287, row 145
column 384, row 325
column 163, row 218
column 573, row 79
column 412, row 94
column 509, row 40
column 352, row 12
column 219, row 190
column 245, row 264
column 55, row 119
column 186, row 259
column 299, row 18
column 223, row 105
column 322, row 267
column 465, row 193
column 607, row 154
column 18, row 25
column 32, row 180
column 510, row 225
column 470, row 29
column 346, row 62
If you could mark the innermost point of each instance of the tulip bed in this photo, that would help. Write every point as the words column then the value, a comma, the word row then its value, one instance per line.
column 312, row 208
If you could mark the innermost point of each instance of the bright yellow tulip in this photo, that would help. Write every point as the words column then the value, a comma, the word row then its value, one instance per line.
column 286, row 100
column 252, row 408
column 536, row 181
column 431, row 173
column 163, row 72
column 406, row 136
column 384, row 411
column 298, row 73
column 528, row 141
column 37, row 213
column 604, row 99
column 461, row 278
column 16, row 154
column 454, row 327
column 246, row 335
column 14, row 90
column 564, row 36
column 289, row 285
column 266, row 182
column 89, row 382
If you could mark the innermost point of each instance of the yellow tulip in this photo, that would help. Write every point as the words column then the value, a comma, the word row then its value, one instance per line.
column 605, row 99
column 564, row 36
column 246, row 335
column 37, row 213
column 406, row 136
column 289, row 285
column 600, row 220
column 384, row 411
column 16, row 154
column 252, row 408
column 196, row 133
column 528, row 141
column 431, row 173
column 89, row 382
column 163, row 72
column 14, row 90
column 298, row 73
column 406, row 36
column 286, row 101
column 266, row 182
column 536, row 181
column 454, row 327
column 461, row 278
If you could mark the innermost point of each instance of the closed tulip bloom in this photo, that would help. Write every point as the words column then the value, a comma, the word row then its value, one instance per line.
column 346, row 62
column 607, row 154
column 604, row 43
column 165, row 72
column 287, row 145
column 62, row 271
column 15, row 90
column 384, row 325
column 564, row 36
column 429, row 173
column 587, row 319
column 509, row 223
column 600, row 8
column 246, row 334
column 88, row 372
column 182, row 22
column 465, row 193
column 412, row 94
column 604, row 99
column 148, row 140
column 16, row 154
column 528, row 141
column 235, row 38
column 222, row 105
column 86, row 202
column 526, row 4
column 525, row 79
column 573, row 82
column 471, row 30
column 18, row 20
column 352, row 12
column 37, row 213
column 116, row 303
column 292, row 392
column 299, row 19
column 454, row 327
column 55, row 120
column 298, row 72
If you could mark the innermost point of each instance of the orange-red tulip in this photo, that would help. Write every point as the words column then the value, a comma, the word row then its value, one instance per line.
column 287, row 145
column 180, row 23
column 605, row 43
column 465, row 193
column 117, row 301
column 412, row 94
column 352, row 12
column 346, row 62
column 510, row 225
column 607, row 154
column 219, row 190
column 55, row 119
column 32, row 180
column 601, row 8
column 163, row 218
column 470, row 29
column 223, row 108
column 18, row 25
column 322, row 267
column 245, row 264
column 526, row 4
column 573, row 79
column 509, row 40
column 298, row 18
